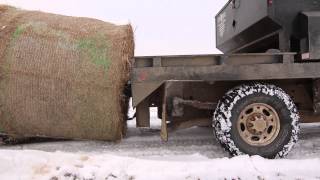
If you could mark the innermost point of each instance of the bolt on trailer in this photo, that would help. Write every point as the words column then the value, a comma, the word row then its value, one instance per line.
column 256, row 94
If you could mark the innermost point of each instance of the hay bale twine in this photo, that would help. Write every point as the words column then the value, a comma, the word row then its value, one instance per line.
column 63, row 76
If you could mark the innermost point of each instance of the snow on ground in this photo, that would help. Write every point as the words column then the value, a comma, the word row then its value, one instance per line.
column 190, row 154
column 43, row 165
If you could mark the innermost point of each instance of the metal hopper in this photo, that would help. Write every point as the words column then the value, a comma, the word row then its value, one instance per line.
column 259, row 25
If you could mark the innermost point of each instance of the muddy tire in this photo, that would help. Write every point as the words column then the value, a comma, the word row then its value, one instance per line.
column 257, row 119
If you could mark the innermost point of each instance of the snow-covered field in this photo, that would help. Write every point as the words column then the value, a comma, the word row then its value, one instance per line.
column 43, row 165
column 189, row 154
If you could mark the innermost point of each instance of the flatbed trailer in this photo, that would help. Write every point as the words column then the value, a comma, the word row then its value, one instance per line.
column 256, row 94
column 187, row 89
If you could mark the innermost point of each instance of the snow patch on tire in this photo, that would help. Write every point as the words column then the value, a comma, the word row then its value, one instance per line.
column 222, row 115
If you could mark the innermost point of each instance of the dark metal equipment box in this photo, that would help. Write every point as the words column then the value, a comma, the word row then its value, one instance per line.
column 310, row 34
column 255, row 26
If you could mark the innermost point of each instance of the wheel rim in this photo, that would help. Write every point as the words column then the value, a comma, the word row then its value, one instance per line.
column 258, row 124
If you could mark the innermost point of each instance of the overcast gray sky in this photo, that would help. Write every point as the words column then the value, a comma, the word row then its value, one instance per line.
column 161, row 26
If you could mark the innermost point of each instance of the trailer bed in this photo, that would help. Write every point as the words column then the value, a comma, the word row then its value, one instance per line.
column 150, row 72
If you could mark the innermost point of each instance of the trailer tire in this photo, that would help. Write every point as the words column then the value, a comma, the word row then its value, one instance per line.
column 233, row 132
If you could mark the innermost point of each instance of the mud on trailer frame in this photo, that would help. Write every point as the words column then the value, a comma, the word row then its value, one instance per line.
column 256, row 94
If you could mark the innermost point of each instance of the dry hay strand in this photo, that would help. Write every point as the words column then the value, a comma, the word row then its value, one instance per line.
column 63, row 76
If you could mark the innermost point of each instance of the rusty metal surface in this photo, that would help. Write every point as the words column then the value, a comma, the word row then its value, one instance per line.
column 195, row 104
column 177, row 60
column 164, row 128
column 208, row 83
column 193, row 91
column 140, row 91
column 179, row 103
column 143, row 114
column 225, row 67
column 229, row 72
column 208, row 60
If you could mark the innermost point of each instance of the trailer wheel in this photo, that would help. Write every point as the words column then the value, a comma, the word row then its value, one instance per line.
column 257, row 119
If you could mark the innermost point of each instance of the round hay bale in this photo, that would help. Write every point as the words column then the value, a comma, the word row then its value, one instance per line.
column 63, row 76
